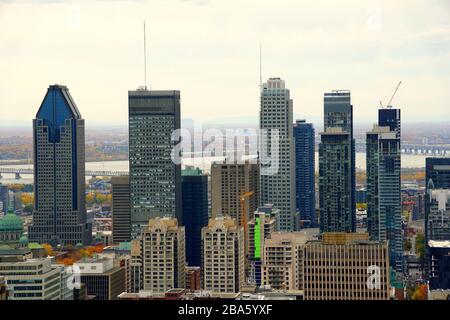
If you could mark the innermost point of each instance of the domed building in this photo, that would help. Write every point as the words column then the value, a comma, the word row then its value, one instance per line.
column 11, row 227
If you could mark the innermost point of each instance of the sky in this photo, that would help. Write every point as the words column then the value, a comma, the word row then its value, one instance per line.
column 209, row 50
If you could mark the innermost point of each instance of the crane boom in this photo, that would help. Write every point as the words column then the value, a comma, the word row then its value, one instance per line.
column 392, row 97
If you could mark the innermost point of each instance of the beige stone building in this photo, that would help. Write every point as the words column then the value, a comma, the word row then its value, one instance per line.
column 163, row 255
column 229, row 181
column 223, row 255
column 345, row 266
column 281, row 260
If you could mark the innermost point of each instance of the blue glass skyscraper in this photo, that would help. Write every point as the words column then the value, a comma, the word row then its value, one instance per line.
column 59, row 215
column 194, row 186
column 304, row 171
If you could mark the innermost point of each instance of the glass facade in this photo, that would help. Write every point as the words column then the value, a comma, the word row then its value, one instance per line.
column 59, row 215
column 195, row 213
column 304, row 171
column 155, row 181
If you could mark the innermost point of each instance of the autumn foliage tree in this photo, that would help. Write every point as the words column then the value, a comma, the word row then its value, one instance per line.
column 420, row 293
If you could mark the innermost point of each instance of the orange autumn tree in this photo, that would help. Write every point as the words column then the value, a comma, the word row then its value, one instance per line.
column 420, row 293
column 48, row 249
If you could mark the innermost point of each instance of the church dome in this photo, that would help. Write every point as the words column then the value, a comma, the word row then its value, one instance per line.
column 11, row 222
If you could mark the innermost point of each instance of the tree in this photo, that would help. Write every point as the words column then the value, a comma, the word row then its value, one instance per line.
column 420, row 293
column 420, row 245
column 48, row 249
column 27, row 199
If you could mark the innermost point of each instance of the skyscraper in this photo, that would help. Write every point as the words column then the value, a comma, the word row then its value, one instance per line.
column 304, row 171
column 337, row 165
column 278, row 188
column 155, row 180
column 388, row 117
column 229, row 181
column 59, row 214
column 195, row 212
column 384, row 208
column 121, row 221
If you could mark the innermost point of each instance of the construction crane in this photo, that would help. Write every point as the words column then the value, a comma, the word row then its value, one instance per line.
column 242, row 201
column 389, row 106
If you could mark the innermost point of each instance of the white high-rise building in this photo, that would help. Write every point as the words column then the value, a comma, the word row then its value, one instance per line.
column 278, row 188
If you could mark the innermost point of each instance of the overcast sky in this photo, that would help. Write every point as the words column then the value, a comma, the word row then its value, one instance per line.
column 210, row 51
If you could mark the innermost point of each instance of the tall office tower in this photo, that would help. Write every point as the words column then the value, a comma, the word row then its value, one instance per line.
column 346, row 266
column 337, row 165
column 155, row 180
column 263, row 224
column 223, row 255
column 281, row 263
column 163, row 255
column 390, row 118
column 121, row 221
column 278, row 176
column 59, row 215
column 437, row 177
column 384, row 206
column 229, row 182
column 195, row 212
column 304, row 172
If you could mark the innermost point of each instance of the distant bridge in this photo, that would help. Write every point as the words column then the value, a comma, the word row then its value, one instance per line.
column 90, row 173
column 431, row 149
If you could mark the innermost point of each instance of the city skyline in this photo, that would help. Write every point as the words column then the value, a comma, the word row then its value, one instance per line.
column 410, row 43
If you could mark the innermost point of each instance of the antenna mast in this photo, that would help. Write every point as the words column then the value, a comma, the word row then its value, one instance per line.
column 145, row 59
column 260, row 66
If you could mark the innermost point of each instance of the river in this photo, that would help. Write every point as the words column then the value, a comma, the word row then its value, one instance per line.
column 408, row 161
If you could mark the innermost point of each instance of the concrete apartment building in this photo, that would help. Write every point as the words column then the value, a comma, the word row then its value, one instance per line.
column 223, row 255
column 281, row 262
column 346, row 266
column 163, row 255
column 229, row 181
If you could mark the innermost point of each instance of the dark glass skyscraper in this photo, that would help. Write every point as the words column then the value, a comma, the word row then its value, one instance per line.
column 59, row 215
column 384, row 209
column 337, row 165
column 390, row 118
column 437, row 215
column 155, row 180
column 195, row 212
column 304, row 171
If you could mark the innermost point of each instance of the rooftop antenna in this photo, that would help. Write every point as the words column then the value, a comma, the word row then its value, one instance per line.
column 145, row 59
column 260, row 66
